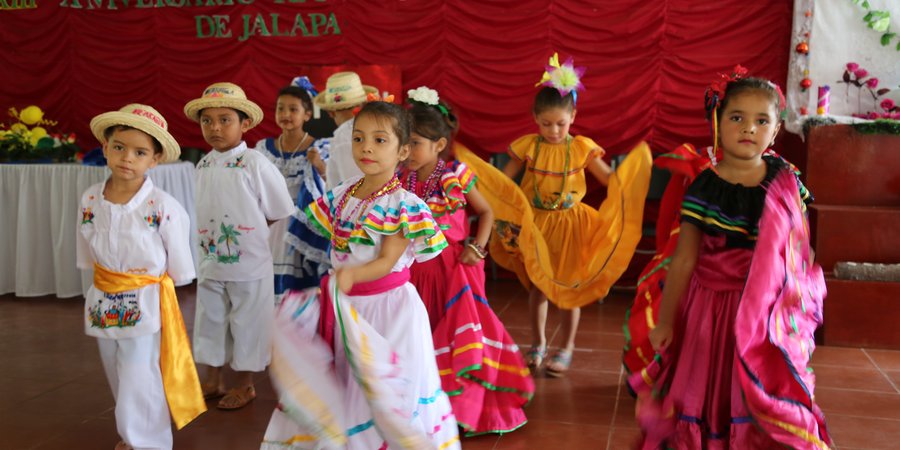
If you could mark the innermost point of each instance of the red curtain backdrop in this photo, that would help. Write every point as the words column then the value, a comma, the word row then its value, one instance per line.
column 648, row 61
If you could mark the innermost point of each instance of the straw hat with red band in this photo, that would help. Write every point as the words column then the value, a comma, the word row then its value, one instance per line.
column 141, row 117
column 343, row 90
column 224, row 95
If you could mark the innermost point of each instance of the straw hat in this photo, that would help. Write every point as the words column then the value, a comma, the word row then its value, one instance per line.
column 141, row 117
column 343, row 90
column 224, row 95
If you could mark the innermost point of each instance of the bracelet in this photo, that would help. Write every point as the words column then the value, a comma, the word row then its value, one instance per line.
column 479, row 250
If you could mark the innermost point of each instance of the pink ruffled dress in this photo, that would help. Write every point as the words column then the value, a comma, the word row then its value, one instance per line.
column 736, row 375
column 480, row 365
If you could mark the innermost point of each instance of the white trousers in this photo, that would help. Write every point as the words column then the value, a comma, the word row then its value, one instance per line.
column 234, row 323
column 132, row 368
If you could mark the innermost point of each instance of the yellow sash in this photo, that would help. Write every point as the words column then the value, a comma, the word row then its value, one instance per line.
column 179, row 375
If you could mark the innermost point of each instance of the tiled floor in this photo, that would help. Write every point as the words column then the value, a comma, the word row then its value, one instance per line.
column 53, row 393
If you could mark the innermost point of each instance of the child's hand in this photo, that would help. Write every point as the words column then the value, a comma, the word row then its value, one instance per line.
column 312, row 155
column 344, row 279
column 469, row 257
column 661, row 336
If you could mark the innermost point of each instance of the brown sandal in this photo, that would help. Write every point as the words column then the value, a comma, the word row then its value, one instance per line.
column 210, row 393
column 237, row 398
column 123, row 446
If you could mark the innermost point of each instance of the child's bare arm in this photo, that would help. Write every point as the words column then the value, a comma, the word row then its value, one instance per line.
column 316, row 161
column 512, row 168
column 485, row 225
column 600, row 170
column 680, row 270
column 392, row 248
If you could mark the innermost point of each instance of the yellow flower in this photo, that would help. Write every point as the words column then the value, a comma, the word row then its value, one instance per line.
column 18, row 128
column 31, row 115
column 36, row 134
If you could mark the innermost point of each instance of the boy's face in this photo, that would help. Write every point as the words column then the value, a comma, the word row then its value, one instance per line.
column 222, row 128
column 129, row 153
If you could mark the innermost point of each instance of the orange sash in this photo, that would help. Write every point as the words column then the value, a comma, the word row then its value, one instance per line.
column 179, row 375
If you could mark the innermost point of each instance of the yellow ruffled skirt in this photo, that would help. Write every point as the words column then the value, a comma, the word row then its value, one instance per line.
column 573, row 255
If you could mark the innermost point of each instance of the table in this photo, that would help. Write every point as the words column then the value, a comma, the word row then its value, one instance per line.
column 39, row 211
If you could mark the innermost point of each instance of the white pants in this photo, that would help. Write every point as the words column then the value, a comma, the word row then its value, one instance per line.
column 234, row 323
column 132, row 368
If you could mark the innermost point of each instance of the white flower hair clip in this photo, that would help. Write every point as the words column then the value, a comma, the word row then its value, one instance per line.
column 427, row 96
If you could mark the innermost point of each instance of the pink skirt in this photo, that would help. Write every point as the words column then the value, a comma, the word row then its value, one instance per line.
column 480, row 366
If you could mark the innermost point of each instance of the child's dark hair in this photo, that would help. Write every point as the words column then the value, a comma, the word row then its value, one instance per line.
column 388, row 111
column 108, row 132
column 549, row 98
column 242, row 116
column 295, row 91
column 751, row 84
column 432, row 124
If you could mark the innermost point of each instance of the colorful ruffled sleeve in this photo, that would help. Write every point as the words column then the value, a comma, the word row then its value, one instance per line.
column 403, row 212
column 320, row 213
column 522, row 149
column 456, row 182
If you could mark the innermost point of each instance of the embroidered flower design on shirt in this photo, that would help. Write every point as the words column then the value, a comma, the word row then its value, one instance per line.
column 87, row 216
column 115, row 312
column 153, row 220
column 237, row 164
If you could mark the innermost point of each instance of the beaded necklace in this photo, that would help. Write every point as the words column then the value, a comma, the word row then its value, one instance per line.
column 565, row 175
column 430, row 182
column 342, row 244
column 281, row 144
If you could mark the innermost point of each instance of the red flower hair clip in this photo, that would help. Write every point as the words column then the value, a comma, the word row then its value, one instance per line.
column 715, row 93
column 373, row 97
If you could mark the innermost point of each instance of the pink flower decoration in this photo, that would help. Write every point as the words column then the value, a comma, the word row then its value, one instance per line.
column 852, row 66
column 872, row 83
column 873, row 115
column 887, row 104
column 860, row 73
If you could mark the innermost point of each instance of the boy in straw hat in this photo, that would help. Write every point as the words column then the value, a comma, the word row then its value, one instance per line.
column 343, row 92
column 239, row 194
column 136, row 239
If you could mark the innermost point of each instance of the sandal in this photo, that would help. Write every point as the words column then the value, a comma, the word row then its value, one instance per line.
column 559, row 363
column 123, row 446
column 210, row 393
column 237, row 398
column 535, row 357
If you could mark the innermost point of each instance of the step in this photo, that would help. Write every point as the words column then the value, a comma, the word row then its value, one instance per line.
column 845, row 167
column 862, row 314
column 855, row 233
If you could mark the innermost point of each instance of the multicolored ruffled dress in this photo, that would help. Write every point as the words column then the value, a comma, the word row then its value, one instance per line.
column 480, row 365
column 572, row 252
column 737, row 373
column 300, row 255
column 357, row 371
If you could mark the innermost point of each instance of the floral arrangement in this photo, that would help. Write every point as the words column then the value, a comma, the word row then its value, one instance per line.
column 854, row 75
column 27, row 139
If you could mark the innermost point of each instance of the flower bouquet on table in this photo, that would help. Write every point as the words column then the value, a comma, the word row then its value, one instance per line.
column 27, row 139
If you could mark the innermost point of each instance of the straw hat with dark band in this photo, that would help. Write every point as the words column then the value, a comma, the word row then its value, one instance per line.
column 224, row 95
column 141, row 117
column 343, row 90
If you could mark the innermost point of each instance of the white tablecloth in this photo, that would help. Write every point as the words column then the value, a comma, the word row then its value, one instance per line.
column 39, row 217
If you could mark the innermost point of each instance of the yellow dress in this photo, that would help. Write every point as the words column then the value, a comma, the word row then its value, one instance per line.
column 572, row 252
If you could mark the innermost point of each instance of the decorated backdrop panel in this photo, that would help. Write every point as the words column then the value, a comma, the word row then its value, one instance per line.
column 851, row 48
column 648, row 61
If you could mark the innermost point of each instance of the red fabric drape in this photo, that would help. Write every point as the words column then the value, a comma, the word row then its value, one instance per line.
column 648, row 62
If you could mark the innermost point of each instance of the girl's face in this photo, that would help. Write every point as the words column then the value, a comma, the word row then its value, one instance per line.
column 223, row 128
column 423, row 151
column 376, row 147
column 553, row 124
column 290, row 113
column 748, row 125
column 129, row 153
